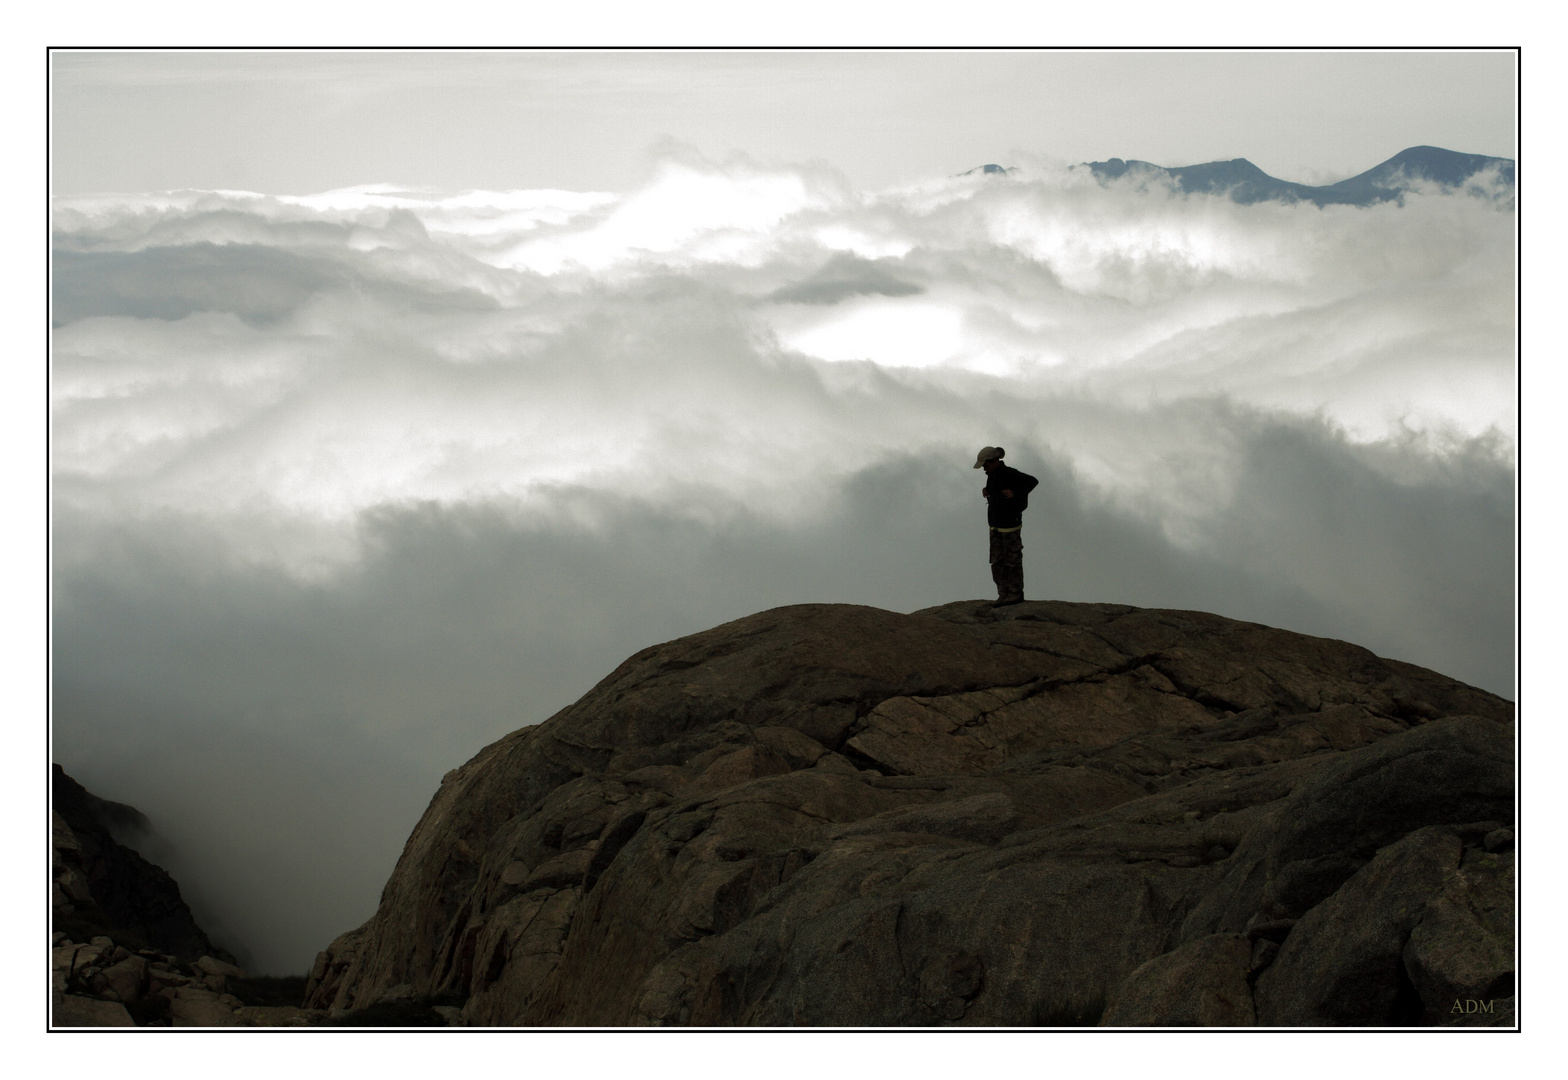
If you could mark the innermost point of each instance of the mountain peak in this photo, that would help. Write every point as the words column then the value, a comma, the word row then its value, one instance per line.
column 1428, row 164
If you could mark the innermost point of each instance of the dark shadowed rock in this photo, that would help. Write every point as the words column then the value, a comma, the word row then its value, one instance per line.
column 104, row 887
column 73, row 1011
column 1201, row 984
column 1463, row 947
column 1342, row 963
column 1331, row 825
column 1052, row 814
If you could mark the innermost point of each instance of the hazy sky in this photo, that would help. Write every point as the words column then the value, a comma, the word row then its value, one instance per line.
column 482, row 372
column 301, row 122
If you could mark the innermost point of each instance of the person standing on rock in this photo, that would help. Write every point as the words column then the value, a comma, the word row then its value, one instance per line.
column 1007, row 497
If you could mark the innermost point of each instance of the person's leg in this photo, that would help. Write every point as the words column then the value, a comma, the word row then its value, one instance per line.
column 998, row 564
column 1011, row 586
column 1007, row 566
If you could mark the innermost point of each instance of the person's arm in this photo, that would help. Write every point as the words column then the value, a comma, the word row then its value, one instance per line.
column 1010, row 478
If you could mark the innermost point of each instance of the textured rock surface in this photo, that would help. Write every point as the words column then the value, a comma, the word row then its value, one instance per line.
column 837, row 815
column 1462, row 949
column 73, row 1011
column 1342, row 961
column 1200, row 984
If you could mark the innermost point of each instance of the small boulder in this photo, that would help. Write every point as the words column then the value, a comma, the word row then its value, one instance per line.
column 159, row 979
column 81, row 957
column 126, row 980
column 191, row 1007
column 213, row 966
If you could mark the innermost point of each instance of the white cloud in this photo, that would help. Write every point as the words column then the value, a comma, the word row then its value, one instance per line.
column 1378, row 319
column 683, row 214
column 893, row 333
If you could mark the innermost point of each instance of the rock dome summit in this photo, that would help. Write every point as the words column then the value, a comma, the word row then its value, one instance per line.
column 1050, row 814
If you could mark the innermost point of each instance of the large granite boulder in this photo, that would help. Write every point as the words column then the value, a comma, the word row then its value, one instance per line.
column 1049, row 814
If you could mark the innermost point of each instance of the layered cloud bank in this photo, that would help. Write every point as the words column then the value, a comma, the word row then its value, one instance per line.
column 348, row 485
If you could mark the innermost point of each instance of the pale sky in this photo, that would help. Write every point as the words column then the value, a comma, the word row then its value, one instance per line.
column 303, row 122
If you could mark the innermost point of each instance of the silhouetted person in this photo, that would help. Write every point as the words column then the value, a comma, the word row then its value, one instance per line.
column 1007, row 497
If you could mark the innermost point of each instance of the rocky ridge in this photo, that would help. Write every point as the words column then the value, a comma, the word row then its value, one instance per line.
column 1050, row 814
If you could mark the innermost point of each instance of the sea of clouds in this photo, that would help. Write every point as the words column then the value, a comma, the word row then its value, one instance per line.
column 346, row 486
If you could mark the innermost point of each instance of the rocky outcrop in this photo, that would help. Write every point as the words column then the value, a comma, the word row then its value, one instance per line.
column 124, row 912
column 103, row 887
column 1049, row 814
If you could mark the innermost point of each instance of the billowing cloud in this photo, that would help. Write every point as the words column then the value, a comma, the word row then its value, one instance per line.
column 845, row 275
column 348, row 485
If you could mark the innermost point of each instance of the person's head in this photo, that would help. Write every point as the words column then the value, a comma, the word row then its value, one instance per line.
column 989, row 457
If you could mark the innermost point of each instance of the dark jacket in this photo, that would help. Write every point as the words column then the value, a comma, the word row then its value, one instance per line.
column 1002, row 512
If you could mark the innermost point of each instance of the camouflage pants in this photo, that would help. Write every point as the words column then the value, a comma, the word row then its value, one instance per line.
column 1007, row 564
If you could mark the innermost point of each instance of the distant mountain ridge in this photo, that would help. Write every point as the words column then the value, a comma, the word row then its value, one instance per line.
column 1246, row 183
